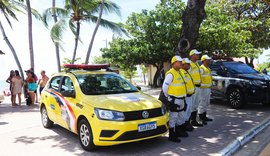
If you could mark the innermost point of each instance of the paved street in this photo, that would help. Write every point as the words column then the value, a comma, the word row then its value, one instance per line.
column 21, row 133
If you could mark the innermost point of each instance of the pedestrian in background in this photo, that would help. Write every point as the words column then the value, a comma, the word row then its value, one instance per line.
column 174, row 90
column 31, row 85
column 205, row 92
column 196, row 77
column 17, row 84
column 11, row 75
column 36, row 79
column 190, row 91
column 42, row 82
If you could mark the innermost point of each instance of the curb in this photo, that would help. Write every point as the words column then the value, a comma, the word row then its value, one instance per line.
column 243, row 139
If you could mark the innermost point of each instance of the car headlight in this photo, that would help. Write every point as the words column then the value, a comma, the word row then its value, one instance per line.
column 109, row 115
column 257, row 82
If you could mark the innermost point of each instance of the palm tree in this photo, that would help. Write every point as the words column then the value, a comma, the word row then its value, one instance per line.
column 30, row 11
column 94, row 33
column 77, row 11
column 8, row 9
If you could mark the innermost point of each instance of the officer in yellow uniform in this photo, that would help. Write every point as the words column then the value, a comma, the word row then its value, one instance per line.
column 205, row 92
column 174, row 89
column 190, row 91
column 196, row 77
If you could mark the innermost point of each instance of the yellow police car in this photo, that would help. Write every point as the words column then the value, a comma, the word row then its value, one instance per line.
column 101, row 107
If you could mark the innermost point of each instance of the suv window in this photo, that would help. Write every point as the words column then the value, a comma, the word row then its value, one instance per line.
column 54, row 84
column 239, row 68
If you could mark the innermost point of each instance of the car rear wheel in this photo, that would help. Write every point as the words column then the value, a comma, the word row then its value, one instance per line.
column 235, row 98
column 46, row 122
column 86, row 136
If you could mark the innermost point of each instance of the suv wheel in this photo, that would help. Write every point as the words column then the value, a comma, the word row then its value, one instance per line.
column 85, row 135
column 235, row 98
column 46, row 122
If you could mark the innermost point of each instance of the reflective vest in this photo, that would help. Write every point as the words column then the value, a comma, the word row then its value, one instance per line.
column 195, row 73
column 178, row 87
column 189, row 82
column 206, row 77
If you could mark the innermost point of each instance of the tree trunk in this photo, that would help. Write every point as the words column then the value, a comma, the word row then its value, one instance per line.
column 57, row 51
column 144, row 79
column 30, row 36
column 76, row 42
column 157, row 75
column 250, row 63
column 192, row 19
column 94, row 33
column 12, row 50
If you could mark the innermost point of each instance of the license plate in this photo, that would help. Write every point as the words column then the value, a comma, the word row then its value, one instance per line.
column 147, row 126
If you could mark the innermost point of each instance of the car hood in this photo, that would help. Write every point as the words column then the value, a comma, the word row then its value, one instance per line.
column 261, row 77
column 123, row 102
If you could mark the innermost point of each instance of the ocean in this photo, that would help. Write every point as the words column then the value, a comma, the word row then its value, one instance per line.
column 3, row 86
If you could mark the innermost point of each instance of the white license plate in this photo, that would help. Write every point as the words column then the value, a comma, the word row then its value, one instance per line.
column 147, row 126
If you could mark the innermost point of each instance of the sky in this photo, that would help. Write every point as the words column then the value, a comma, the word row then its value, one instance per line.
column 45, row 58
column 44, row 52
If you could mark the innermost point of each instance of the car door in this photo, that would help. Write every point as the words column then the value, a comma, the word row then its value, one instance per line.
column 67, row 104
column 219, row 77
column 51, row 98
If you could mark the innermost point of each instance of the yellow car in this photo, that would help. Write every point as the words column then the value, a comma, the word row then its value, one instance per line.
column 101, row 107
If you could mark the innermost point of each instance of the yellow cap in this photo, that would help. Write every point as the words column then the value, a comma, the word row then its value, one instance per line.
column 205, row 57
column 176, row 58
column 194, row 51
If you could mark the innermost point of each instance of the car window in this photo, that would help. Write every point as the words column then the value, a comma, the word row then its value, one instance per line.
column 95, row 84
column 54, row 83
column 239, row 68
column 67, row 85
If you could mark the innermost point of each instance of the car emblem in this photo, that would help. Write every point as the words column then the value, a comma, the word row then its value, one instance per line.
column 145, row 114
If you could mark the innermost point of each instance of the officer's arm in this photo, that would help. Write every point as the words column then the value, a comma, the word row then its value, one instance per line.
column 166, row 83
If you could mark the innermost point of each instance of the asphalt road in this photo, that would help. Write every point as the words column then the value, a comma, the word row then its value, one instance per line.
column 21, row 133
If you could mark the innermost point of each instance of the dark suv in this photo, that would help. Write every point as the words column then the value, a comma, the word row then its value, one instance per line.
column 239, row 83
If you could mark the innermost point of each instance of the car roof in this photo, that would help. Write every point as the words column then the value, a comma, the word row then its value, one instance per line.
column 82, row 72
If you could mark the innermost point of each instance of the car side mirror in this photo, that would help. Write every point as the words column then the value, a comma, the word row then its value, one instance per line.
column 138, row 87
column 68, row 93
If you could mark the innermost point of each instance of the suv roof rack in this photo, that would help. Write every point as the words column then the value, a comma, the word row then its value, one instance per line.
column 87, row 67
column 222, row 58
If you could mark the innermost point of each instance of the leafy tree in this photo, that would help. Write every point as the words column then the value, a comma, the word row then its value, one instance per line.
column 8, row 9
column 223, row 35
column 256, row 16
column 76, row 11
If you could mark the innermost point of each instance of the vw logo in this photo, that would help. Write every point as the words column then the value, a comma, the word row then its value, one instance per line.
column 145, row 114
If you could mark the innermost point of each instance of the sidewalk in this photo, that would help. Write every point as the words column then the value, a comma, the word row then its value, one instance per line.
column 241, row 139
column 21, row 127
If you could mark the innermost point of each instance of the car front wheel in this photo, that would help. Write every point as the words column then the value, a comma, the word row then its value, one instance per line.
column 85, row 135
column 235, row 98
column 46, row 122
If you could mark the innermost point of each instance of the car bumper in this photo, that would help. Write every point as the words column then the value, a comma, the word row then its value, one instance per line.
column 108, row 133
column 258, row 95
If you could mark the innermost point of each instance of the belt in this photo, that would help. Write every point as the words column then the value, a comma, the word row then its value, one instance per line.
column 198, row 85
column 189, row 95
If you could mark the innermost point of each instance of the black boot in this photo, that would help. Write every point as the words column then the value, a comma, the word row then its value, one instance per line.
column 193, row 119
column 188, row 126
column 201, row 116
column 206, row 118
column 180, row 131
column 173, row 136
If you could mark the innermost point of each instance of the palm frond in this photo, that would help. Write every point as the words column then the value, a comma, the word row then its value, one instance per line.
column 115, row 27
column 57, row 31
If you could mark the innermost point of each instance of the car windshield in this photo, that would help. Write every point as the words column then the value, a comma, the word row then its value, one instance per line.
column 98, row 84
column 239, row 68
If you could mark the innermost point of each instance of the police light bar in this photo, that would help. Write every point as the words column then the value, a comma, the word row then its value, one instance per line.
column 86, row 66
